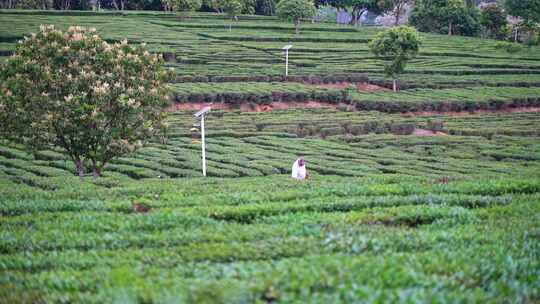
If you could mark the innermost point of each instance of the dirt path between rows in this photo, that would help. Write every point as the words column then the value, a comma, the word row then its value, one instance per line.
column 248, row 107
column 424, row 132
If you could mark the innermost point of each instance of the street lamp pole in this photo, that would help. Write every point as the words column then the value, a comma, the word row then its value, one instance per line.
column 203, row 147
column 286, row 49
column 200, row 115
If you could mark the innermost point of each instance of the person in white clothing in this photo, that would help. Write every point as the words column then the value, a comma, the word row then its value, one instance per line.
column 299, row 169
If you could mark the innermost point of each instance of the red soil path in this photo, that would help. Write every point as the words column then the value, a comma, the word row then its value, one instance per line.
column 423, row 132
column 247, row 107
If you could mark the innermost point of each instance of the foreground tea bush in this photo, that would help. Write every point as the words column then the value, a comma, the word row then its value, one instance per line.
column 332, row 239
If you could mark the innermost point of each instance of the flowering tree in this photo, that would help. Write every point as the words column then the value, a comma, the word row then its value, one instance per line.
column 74, row 90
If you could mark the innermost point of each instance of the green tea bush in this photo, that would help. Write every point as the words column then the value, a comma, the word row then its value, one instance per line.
column 509, row 47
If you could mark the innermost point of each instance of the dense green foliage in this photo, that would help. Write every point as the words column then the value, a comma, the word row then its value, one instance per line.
column 95, row 100
column 185, row 5
column 332, row 239
column 392, row 213
column 529, row 10
column 205, row 48
column 493, row 19
column 396, row 46
column 358, row 7
column 445, row 16
column 295, row 11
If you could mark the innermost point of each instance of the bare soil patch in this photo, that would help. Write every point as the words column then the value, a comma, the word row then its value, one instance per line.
column 250, row 107
column 424, row 132
column 366, row 87
column 337, row 85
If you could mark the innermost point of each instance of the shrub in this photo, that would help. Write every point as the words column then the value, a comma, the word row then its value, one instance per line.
column 402, row 128
column 435, row 125
column 509, row 47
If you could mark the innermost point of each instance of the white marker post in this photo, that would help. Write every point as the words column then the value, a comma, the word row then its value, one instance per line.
column 203, row 148
column 286, row 49
column 201, row 115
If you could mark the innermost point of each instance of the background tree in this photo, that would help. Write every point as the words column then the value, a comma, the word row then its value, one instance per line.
column 528, row 10
column 493, row 20
column 445, row 16
column 248, row 6
column 212, row 5
column 397, row 8
column 358, row 7
column 232, row 8
column 184, row 6
column 295, row 10
column 396, row 47
column 181, row 5
column 265, row 7
column 95, row 100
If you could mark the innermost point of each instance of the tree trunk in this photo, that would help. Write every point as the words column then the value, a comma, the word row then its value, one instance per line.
column 297, row 27
column 96, row 173
column 394, row 85
column 115, row 5
column 96, row 169
column 122, row 4
column 80, row 168
column 356, row 15
column 450, row 28
column 397, row 13
column 230, row 26
column 353, row 17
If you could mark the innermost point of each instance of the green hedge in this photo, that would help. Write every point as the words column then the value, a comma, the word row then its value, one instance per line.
column 285, row 39
column 329, row 96
column 313, row 79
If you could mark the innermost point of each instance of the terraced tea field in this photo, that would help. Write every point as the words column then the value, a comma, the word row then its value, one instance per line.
column 438, row 206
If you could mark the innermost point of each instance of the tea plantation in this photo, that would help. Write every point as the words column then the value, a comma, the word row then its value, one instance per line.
column 401, row 207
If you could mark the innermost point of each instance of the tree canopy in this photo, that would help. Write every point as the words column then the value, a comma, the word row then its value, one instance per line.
column 396, row 46
column 359, row 7
column 232, row 8
column 445, row 16
column 493, row 19
column 295, row 10
column 74, row 90
column 182, row 5
column 529, row 10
